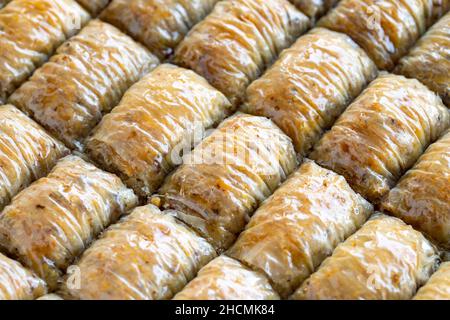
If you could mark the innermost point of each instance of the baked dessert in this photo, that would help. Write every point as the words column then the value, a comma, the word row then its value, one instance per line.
column 438, row 287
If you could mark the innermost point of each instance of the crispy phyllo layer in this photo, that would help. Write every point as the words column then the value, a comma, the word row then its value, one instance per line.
column 438, row 287
column 159, row 117
column 295, row 229
column 30, row 31
column 422, row 197
column 159, row 25
column 18, row 283
column 227, row 279
column 27, row 152
column 94, row 6
column 313, row 8
column 310, row 85
column 385, row 29
column 148, row 255
column 85, row 79
column 226, row 177
column 52, row 221
column 234, row 44
column 429, row 60
column 386, row 259
column 382, row 134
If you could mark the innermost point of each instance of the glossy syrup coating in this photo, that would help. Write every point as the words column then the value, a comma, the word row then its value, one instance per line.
column 27, row 152
column 148, row 255
column 310, row 85
column 159, row 24
column 94, row 6
column 297, row 227
column 385, row 29
column 438, row 287
column 422, row 196
column 382, row 134
column 30, row 31
column 429, row 60
column 158, row 117
column 85, row 79
column 227, row 279
column 18, row 283
column 226, row 177
column 52, row 221
column 238, row 40
column 313, row 8
column 384, row 260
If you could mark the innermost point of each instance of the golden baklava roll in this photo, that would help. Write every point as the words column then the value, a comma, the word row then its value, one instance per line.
column 313, row 8
column 386, row 259
column 234, row 44
column 227, row 175
column 382, row 134
column 422, row 196
column 429, row 60
column 295, row 229
column 159, row 117
column 310, row 85
column 159, row 25
column 227, row 279
column 30, row 32
column 27, row 152
column 52, row 221
column 438, row 287
column 94, row 6
column 385, row 29
column 148, row 255
column 18, row 283
column 85, row 79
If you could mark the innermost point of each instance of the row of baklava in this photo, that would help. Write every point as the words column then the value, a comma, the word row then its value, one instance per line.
column 216, row 195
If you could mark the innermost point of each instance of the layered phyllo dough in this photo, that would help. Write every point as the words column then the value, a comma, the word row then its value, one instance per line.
column 386, row 259
column 234, row 44
column 422, row 196
column 385, row 29
column 148, row 255
column 295, row 229
column 85, row 79
column 429, row 60
column 438, row 287
column 158, row 119
column 382, row 134
column 158, row 24
column 94, row 6
column 18, row 283
column 310, row 85
column 226, row 177
column 27, row 152
column 30, row 31
column 227, row 279
column 52, row 221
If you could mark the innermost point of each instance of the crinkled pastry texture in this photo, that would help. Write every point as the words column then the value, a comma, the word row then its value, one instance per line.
column 159, row 24
column 227, row 279
column 386, row 259
column 385, row 29
column 94, row 6
column 159, row 117
column 30, row 31
column 310, row 85
column 296, row 228
column 382, row 134
column 438, row 287
column 226, row 177
column 429, row 60
column 148, row 255
column 313, row 8
column 52, row 221
column 18, row 283
column 27, row 152
column 422, row 196
column 233, row 45
column 84, row 80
